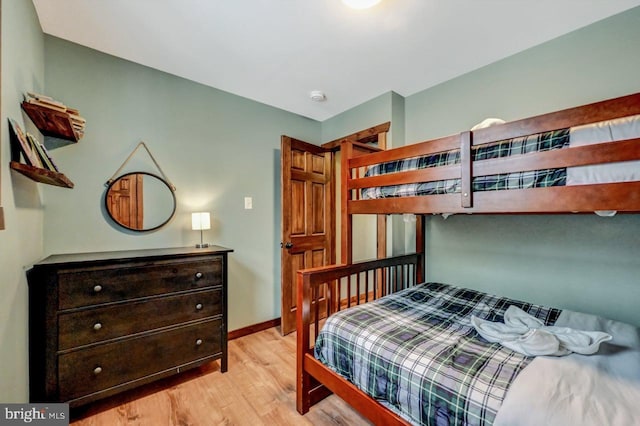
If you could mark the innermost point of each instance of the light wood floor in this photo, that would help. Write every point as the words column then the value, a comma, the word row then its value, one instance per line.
column 258, row 389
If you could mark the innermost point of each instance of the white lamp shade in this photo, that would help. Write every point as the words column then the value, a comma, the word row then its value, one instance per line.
column 200, row 221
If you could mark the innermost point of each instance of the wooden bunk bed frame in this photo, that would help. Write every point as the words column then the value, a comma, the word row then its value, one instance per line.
column 373, row 279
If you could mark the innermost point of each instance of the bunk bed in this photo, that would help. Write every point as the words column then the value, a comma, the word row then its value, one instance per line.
column 584, row 160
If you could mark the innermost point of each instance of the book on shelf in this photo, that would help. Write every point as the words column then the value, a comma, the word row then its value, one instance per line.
column 19, row 138
column 73, row 111
column 38, row 96
column 38, row 159
column 44, row 99
column 42, row 153
column 77, row 122
column 49, row 102
column 54, row 166
column 47, row 105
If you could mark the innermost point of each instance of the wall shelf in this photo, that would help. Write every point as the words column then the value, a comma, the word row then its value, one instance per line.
column 51, row 123
column 58, row 124
column 42, row 175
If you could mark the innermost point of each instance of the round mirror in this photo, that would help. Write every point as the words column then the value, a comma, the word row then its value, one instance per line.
column 140, row 201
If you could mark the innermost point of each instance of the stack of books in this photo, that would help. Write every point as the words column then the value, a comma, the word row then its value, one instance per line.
column 34, row 152
column 77, row 121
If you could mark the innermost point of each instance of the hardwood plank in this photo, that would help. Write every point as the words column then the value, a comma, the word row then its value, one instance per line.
column 258, row 389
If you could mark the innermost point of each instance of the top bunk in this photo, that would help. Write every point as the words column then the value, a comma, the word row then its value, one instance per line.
column 582, row 159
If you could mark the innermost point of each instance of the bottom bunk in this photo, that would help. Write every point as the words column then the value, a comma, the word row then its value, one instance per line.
column 414, row 355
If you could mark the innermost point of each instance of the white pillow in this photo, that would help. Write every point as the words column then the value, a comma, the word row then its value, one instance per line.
column 488, row 122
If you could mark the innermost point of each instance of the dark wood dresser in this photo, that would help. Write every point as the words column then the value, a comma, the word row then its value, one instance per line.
column 102, row 323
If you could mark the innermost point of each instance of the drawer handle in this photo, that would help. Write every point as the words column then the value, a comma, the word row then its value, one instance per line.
column 198, row 342
column 198, row 275
column 97, row 326
column 97, row 370
column 97, row 288
column 199, row 306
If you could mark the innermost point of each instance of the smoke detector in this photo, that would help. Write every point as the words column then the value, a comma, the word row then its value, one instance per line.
column 317, row 96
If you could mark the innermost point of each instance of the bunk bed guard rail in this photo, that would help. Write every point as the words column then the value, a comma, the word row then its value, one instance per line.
column 560, row 199
column 325, row 290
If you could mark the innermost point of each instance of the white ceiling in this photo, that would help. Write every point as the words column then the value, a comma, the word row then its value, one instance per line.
column 277, row 51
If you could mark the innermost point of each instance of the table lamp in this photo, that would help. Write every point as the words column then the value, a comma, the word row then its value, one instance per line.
column 199, row 222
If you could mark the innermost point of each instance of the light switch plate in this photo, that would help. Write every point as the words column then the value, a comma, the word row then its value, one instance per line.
column 248, row 203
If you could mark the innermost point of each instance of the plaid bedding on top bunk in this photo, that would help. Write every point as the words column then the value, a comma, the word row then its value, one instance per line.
column 416, row 352
column 530, row 179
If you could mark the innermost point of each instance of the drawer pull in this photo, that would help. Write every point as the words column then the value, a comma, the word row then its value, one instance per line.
column 199, row 306
column 97, row 288
column 198, row 342
column 97, row 370
column 198, row 275
column 97, row 326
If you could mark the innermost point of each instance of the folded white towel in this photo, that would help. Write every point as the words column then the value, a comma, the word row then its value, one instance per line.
column 528, row 335
column 579, row 341
column 534, row 342
column 515, row 316
column 520, row 338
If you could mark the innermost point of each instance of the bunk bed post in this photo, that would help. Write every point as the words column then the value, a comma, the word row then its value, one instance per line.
column 421, row 248
column 346, row 151
column 466, row 169
column 303, row 321
column 381, row 236
column 347, row 146
column 381, row 219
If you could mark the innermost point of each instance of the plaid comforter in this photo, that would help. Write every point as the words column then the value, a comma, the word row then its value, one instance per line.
column 529, row 179
column 417, row 352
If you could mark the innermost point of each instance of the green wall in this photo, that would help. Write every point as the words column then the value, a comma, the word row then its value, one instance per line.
column 215, row 147
column 583, row 263
column 588, row 65
column 21, row 241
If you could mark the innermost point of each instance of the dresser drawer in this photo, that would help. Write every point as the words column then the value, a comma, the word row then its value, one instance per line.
column 102, row 323
column 90, row 370
column 109, row 284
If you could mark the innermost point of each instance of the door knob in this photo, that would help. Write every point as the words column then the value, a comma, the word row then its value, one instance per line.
column 287, row 245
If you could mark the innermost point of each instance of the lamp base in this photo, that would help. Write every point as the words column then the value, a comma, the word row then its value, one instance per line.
column 203, row 245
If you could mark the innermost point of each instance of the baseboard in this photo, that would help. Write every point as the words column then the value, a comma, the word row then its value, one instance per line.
column 253, row 329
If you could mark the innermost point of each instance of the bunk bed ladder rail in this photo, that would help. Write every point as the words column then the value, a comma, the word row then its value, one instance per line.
column 466, row 169
column 342, row 286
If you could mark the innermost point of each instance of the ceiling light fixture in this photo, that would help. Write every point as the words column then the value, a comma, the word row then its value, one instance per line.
column 360, row 4
column 317, row 96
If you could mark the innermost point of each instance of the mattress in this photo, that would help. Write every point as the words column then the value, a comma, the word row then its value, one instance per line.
column 606, row 131
column 417, row 353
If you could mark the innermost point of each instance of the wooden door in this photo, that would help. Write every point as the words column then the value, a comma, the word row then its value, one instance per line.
column 308, row 217
column 124, row 201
